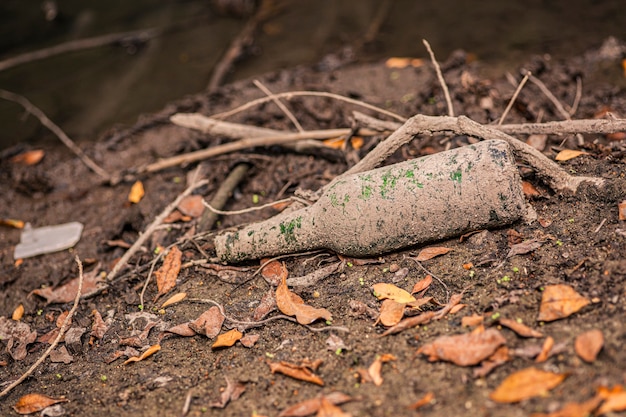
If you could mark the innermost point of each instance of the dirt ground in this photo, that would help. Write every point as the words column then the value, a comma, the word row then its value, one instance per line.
column 584, row 245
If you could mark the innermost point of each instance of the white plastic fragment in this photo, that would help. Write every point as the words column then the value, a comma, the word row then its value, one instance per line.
column 47, row 239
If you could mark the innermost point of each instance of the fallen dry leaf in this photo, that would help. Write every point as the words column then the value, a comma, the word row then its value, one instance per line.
column 141, row 339
column 176, row 298
column 452, row 302
column 567, row 154
column 519, row 328
column 61, row 354
column 29, row 157
column 328, row 409
column 499, row 357
column 272, row 272
column 312, row 406
column 560, row 301
column 409, row 323
column 266, row 306
column 401, row 62
column 67, row 292
column 249, row 340
column 149, row 352
column 472, row 321
column 589, row 344
column 31, row 403
column 391, row 313
column 525, row 247
column 168, row 273
column 209, row 323
column 182, row 330
column 614, row 400
column 546, row 349
column 574, row 409
column 374, row 371
column 429, row 253
column 422, row 284
column 17, row 336
column 465, row 349
column 621, row 207
column 292, row 305
column 227, row 339
column 18, row 313
column 17, row 224
column 191, row 206
column 136, row 192
column 232, row 392
column 300, row 372
column 384, row 290
column 524, row 384
column 529, row 190
column 425, row 400
column 99, row 327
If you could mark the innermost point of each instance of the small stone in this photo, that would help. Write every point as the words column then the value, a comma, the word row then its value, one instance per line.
column 393, row 268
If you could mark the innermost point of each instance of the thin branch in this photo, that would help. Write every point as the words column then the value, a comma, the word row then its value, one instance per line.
column 280, row 105
column 577, row 97
column 444, row 86
column 221, row 196
column 249, row 209
column 515, row 94
column 44, row 120
column 56, row 341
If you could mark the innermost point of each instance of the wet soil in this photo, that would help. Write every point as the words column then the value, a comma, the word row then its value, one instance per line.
column 584, row 247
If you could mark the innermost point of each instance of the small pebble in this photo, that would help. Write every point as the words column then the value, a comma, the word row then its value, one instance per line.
column 393, row 268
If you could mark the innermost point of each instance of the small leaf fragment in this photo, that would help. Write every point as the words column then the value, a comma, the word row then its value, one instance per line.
column 425, row 400
column 465, row 349
column 589, row 344
column 567, row 154
column 227, row 339
column 560, row 301
column 29, row 157
column 191, row 206
column 524, row 384
column 176, row 298
column 292, row 305
column 300, row 372
column 31, row 403
column 209, row 323
column 384, row 290
column 422, row 284
column 136, row 192
column 429, row 253
column 621, row 207
column 519, row 328
column 18, row 313
column 168, row 273
column 147, row 353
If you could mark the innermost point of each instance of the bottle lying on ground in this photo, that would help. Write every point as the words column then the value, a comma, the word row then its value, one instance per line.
column 368, row 214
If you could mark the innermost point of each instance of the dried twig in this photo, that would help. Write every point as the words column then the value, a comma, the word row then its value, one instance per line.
column 222, row 195
column 280, row 105
column 444, row 86
column 44, row 120
column 153, row 226
column 515, row 94
column 62, row 330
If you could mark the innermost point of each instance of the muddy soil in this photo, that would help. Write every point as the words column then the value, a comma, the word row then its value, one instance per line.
column 584, row 245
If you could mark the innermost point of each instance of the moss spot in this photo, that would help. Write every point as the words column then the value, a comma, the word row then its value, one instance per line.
column 456, row 175
column 288, row 229
column 366, row 192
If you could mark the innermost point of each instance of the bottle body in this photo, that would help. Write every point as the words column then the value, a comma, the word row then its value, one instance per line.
column 401, row 205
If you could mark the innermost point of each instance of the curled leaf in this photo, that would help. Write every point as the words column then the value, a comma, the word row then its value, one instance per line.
column 465, row 349
column 383, row 290
column 227, row 339
column 149, row 352
column 31, row 403
column 429, row 253
column 524, row 384
column 303, row 373
column 292, row 305
column 560, row 301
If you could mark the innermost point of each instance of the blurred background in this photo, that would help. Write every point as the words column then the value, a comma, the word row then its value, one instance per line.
column 181, row 47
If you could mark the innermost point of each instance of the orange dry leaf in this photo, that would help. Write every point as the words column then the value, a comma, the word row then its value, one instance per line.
column 311, row 406
column 529, row 189
column 410, row 322
column 614, row 400
column 167, row 274
column 621, row 207
column 374, row 371
column 548, row 344
column 391, row 313
column 574, row 409
column 383, row 290
column 425, row 400
column 519, row 328
column 31, row 403
column 567, row 154
column 589, row 344
column 301, row 372
column 422, row 284
column 430, row 253
column 465, row 349
column 17, row 224
column 99, row 327
column 472, row 321
column 249, row 340
column 560, row 301
column 272, row 272
column 524, row 384
column 499, row 357
column 356, row 142
column 147, row 353
column 328, row 409
column 292, row 305
column 191, row 206
column 401, row 62
column 18, row 313
column 29, row 157
column 176, row 298
column 227, row 339
column 209, row 323
column 136, row 192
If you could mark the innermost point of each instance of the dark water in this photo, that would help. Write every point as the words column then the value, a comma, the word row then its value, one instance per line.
column 87, row 92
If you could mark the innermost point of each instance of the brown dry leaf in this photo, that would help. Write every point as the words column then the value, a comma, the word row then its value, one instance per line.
column 614, row 400
column 422, row 284
column 149, row 352
column 465, row 349
column 272, row 272
column 425, row 400
column 17, row 224
column 519, row 328
column 61, row 319
column 567, row 154
column 168, row 273
column 374, row 371
column 249, row 340
column 141, row 339
column 136, row 192
column 311, row 406
column 99, row 327
column 29, row 157
column 391, row 313
column 560, row 301
column 452, row 302
column 191, row 206
column 231, row 393
column 621, row 207
column 292, row 305
column 574, row 409
column 589, row 344
column 530, row 190
column 472, row 321
column 499, row 357
column 31, row 403
column 18, row 313
column 357, row 142
column 17, row 336
column 67, row 292
column 409, row 323
column 525, row 247
column 227, row 339
column 209, row 323
column 456, row 308
column 546, row 349
column 328, row 409
column 176, row 298
column 402, row 62
column 524, row 384
column 182, row 330
column 383, row 290
column 266, row 306
column 429, row 253
column 303, row 373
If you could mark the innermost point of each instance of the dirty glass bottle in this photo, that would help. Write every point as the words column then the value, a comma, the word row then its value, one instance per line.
column 397, row 206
